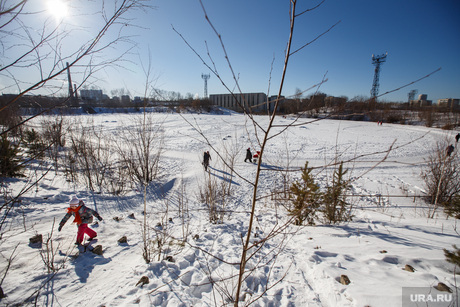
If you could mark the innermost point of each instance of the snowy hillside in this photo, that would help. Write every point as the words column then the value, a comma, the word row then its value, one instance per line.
column 299, row 266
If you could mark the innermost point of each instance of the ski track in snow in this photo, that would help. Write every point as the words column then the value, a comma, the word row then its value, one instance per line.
column 291, row 270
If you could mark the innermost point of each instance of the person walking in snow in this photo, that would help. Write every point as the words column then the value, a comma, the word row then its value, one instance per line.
column 457, row 137
column 450, row 150
column 83, row 216
column 248, row 155
column 206, row 158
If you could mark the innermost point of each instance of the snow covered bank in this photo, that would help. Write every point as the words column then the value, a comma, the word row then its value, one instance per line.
column 301, row 266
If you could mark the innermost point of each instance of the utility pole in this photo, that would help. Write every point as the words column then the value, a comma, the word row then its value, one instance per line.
column 205, row 78
column 70, row 82
column 72, row 92
column 377, row 60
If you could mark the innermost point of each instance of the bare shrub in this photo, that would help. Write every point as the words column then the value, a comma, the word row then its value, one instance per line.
column 140, row 149
column 213, row 196
column 159, row 242
column 70, row 167
column 115, row 181
column 183, row 210
column 427, row 117
column 54, row 128
column 9, row 118
column 48, row 253
column 9, row 262
column 448, row 126
column 90, row 160
column 442, row 177
column 90, row 156
column 231, row 151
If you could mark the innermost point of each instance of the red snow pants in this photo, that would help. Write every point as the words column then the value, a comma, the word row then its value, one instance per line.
column 82, row 229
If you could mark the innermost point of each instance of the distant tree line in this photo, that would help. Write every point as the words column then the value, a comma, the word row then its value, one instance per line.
column 364, row 109
column 359, row 108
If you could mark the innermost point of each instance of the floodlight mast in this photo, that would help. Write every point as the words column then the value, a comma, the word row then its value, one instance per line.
column 377, row 60
column 411, row 95
column 205, row 78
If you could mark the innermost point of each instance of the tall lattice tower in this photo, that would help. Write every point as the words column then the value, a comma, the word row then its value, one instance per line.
column 205, row 78
column 377, row 60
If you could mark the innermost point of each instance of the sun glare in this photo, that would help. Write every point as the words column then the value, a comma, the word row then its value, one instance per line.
column 57, row 8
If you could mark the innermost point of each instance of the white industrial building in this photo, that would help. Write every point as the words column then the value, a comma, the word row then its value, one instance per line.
column 253, row 102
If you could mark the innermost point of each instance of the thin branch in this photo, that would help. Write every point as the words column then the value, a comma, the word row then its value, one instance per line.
column 310, row 9
column 315, row 39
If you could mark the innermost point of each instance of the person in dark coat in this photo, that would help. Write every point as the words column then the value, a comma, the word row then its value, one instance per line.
column 206, row 158
column 450, row 150
column 457, row 137
column 83, row 216
column 248, row 155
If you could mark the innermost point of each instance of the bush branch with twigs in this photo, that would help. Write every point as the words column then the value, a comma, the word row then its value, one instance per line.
column 441, row 175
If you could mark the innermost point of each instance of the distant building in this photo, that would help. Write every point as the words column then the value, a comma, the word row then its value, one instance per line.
column 256, row 102
column 253, row 101
column 422, row 101
column 272, row 101
column 95, row 95
column 449, row 103
column 125, row 99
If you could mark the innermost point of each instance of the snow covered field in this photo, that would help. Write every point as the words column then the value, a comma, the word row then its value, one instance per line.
column 301, row 266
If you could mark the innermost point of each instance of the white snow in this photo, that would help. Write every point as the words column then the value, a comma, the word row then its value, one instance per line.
column 300, row 266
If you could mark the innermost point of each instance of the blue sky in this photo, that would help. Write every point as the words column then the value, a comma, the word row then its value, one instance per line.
column 420, row 36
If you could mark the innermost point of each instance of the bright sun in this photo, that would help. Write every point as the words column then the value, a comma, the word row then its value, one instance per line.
column 57, row 8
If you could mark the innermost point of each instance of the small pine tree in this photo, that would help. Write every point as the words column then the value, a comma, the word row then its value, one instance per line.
column 336, row 209
column 34, row 143
column 453, row 256
column 306, row 198
column 10, row 163
column 453, row 207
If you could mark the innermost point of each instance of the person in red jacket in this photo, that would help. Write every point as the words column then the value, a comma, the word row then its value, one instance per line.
column 256, row 156
column 83, row 216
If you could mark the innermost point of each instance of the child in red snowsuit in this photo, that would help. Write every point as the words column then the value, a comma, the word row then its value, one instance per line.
column 256, row 157
column 83, row 215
